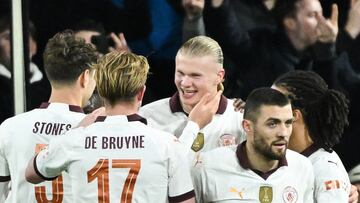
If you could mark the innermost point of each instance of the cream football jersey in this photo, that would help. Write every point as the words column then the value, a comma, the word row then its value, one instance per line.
column 225, row 128
column 119, row 159
column 332, row 182
column 26, row 134
column 223, row 175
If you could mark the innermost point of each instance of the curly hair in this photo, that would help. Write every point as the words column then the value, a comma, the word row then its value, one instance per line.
column 325, row 110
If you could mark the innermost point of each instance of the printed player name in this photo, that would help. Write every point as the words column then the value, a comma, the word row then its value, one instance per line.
column 108, row 142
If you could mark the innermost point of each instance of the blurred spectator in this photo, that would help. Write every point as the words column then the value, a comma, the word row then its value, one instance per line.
column 37, row 92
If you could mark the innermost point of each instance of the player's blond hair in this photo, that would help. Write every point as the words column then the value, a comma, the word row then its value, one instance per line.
column 120, row 76
column 202, row 46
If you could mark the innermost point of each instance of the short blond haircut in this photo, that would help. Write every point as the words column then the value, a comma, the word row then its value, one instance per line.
column 202, row 46
column 120, row 76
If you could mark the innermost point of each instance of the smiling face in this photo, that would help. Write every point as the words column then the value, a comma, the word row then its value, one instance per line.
column 270, row 133
column 195, row 76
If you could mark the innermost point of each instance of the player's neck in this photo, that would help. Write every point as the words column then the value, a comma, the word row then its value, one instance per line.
column 122, row 108
column 259, row 162
column 300, row 138
column 66, row 96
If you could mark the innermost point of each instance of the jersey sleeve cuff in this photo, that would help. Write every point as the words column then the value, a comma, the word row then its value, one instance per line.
column 192, row 128
column 5, row 178
column 183, row 197
column 38, row 172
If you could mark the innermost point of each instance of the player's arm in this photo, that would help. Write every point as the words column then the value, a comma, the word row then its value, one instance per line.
column 4, row 166
column 180, row 185
column 199, row 117
column 4, row 187
column 49, row 162
column 354, row 195
column 192, row 200
column 31, row 173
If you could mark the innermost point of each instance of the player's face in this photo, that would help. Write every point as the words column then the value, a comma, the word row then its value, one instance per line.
column 306, row 21
column 272, row 131
column 5, row 49
column 196, row 76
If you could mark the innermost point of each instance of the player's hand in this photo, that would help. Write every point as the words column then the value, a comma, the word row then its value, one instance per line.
column 120, row 43
column 239, row 105
column 354, row 195
column 91, row 117
column 193, row 8
column 205, row 109
column 327, row 29
column 353, row 22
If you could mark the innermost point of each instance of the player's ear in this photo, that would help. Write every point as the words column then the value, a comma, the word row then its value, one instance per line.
column 140, row 94
column 246, row 125
column 84, row 78
column 297, row 115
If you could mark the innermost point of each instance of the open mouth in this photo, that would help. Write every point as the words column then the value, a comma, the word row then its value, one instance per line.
column 188, row 93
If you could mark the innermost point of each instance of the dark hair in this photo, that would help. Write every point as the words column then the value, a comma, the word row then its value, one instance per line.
column 325, row 110
column 263, row 96
column 89, row 25
column 66, row 57
column 4, row 23
column 283, row 9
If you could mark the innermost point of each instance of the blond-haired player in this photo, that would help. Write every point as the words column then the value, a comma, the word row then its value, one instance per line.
column 118, row 158
column 199, row 74
column 67, row 63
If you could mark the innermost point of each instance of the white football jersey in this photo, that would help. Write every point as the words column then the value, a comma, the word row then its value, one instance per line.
column 224, row 129
column 26, row 134
column 223, row 175
column 119, row 159
column 332, row 183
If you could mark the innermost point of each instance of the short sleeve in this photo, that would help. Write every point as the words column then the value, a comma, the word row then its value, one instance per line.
column 180, row 183
column 332, row 185
column 53, row 159
column 4, row 166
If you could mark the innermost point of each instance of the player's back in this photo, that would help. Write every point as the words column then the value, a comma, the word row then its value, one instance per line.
column 116, row 159
column 24, row 135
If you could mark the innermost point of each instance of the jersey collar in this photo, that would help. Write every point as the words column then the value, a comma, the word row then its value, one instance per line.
column 72, row 108
column 310, row 150
column 175, row 105
column 244, row 161
column 130, row 118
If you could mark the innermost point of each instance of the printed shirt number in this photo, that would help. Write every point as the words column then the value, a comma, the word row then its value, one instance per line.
column 101, row 172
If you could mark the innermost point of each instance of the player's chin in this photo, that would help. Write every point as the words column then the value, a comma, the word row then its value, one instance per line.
column 279, row 153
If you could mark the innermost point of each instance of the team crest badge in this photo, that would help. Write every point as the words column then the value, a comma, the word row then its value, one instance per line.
column 265, row 194
column 227, row 140
column 198, row 143
column 290, row 195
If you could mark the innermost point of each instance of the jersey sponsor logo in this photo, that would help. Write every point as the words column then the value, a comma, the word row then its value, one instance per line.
column 265, row 194
column 198, row 143
column 238, row 193
column 227, row 140
column 50, row 128
column 335, row 184
column 290, row 195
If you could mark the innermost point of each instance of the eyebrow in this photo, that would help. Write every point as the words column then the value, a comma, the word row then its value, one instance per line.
column 276, row 120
